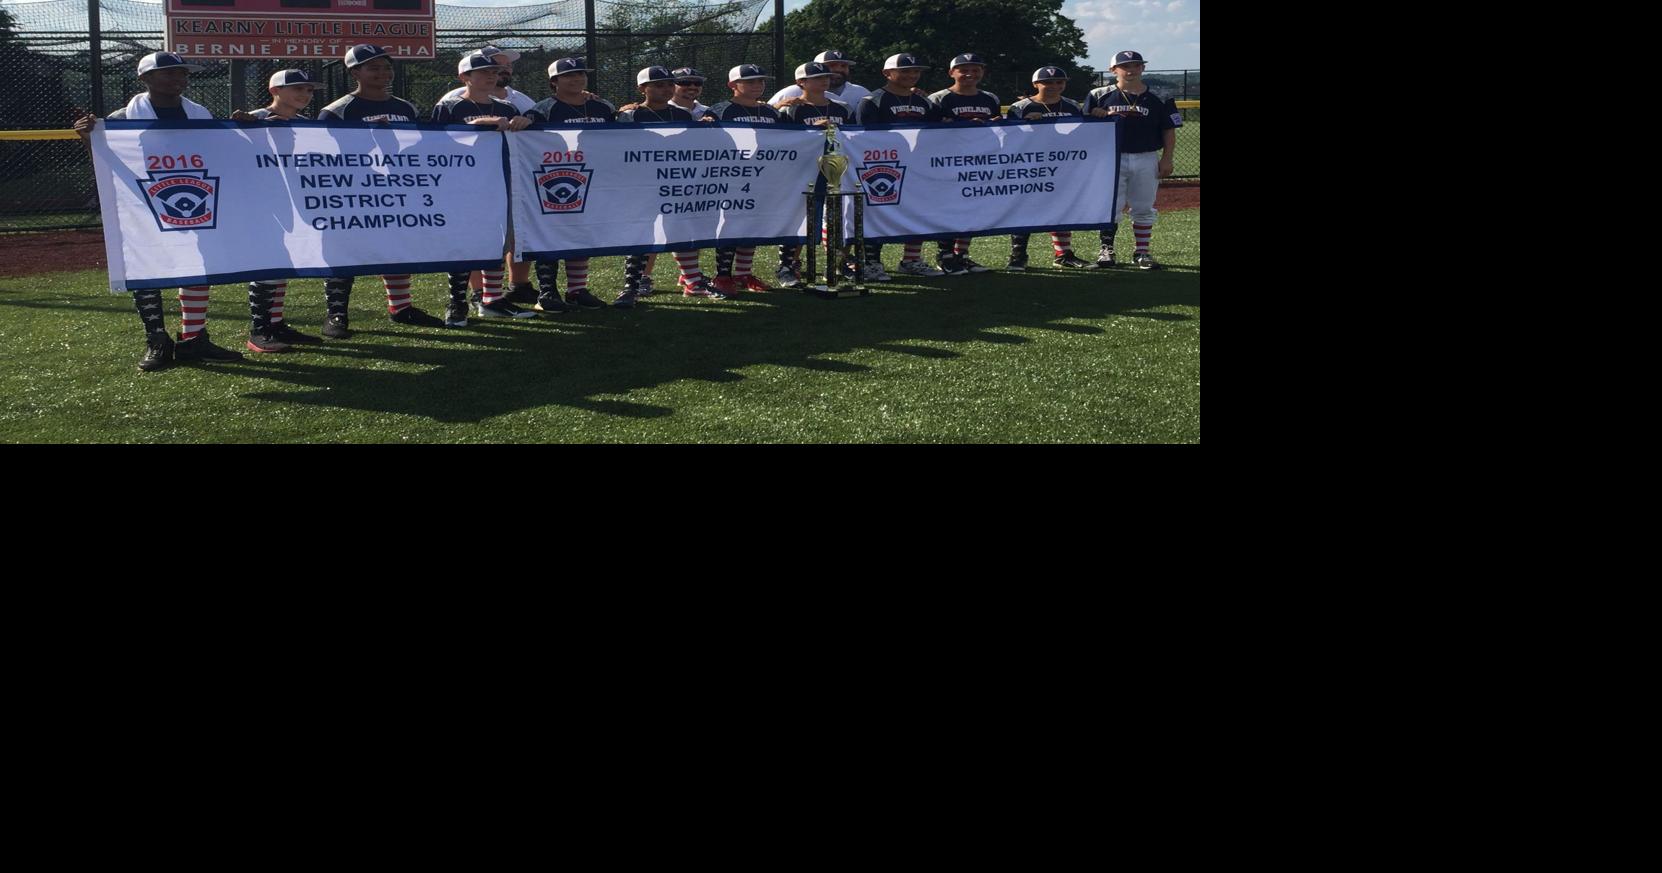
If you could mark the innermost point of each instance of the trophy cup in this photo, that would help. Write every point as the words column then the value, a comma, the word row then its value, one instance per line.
column 832, row 165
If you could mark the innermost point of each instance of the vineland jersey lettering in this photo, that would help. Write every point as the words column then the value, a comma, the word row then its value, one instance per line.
column 556, row 110
column 730, row 111
column 981, row 106
column 1028, row 106
column 355, row 108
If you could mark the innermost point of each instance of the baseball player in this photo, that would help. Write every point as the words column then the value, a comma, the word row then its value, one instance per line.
column 898, row 101
column 572, row 103
column 371, row 68
column 478, row 106
column 1047, row 103
column 965, row 102
column 657, row 85
column 504, row 89
column 689, row 86
column 839, row 88
column 812, row 108
column 519, row 272
column 1147, row 134
column 166, row 76
column 291, row 92
column 747, row 82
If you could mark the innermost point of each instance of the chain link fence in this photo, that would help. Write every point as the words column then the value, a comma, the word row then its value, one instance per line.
column 46, row 53
column 45, row 49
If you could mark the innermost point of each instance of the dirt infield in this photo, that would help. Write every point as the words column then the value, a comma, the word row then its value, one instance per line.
column 27, row 254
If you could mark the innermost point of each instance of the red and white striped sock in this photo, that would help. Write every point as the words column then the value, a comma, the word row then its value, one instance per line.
column 741, row 261
column 279, row 290
column 492, row 290
column 193, row 311
column 1143, row 232
column 1061, row 242
column 577, row 275
column 960, row 246
column 914, row 251
column 688, row 262
column 398, row 292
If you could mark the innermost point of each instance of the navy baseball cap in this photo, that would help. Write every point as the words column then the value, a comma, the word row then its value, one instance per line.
column 687, row 74
column 567, row 65
column 360, row 54
column 1126, row 58
column 1044, row 73
column 474, row 62
column 285, row 78
column 812, row 70
column 903, row 61
column 165, row 61
column 967, row 58
column 746, row 71
column 832, row 55
column 654, row 74
column 492, row 51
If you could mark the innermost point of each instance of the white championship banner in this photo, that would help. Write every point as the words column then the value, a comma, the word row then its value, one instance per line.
column 217, row 202
column 609, row 189
column 967, row 180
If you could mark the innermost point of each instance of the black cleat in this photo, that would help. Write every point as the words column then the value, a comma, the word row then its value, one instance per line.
column 265, row 343
column 1068, row 260
column 584, row 299
column 1105, row 258
column 284, row 333
column 200, row 348
column 158, row 354
column 455, row 315
column 1145, row 261
column 415, row 318
column 502, row 309
column 523, row 294
column 334, row 327
column 552, row 303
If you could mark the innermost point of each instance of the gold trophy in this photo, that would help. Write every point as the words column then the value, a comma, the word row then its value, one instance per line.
column 832, row 164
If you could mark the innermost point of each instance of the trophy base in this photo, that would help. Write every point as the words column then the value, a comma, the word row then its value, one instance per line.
column 838, row 292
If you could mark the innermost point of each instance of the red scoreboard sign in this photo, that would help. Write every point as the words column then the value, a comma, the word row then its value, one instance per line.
column 298, row 29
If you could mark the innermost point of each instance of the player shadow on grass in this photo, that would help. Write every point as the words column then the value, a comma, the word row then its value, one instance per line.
column 587, row 360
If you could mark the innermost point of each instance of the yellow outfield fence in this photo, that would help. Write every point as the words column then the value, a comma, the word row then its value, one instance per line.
column 37, row 134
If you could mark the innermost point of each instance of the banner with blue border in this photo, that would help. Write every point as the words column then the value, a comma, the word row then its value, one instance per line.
column 214, row 202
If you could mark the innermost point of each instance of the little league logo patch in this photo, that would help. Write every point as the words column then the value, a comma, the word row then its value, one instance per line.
column 562, row 188
column 182, row 199
column 882, row 183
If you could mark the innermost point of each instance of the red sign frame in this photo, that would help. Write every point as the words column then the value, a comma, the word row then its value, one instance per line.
column 228, row 30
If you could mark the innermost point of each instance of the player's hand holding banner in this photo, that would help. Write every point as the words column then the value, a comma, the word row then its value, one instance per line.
column 211, row 202
column 599, row 189
column 977, row 179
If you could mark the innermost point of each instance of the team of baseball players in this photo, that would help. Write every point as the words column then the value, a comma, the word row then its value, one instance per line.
column 822, row 94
